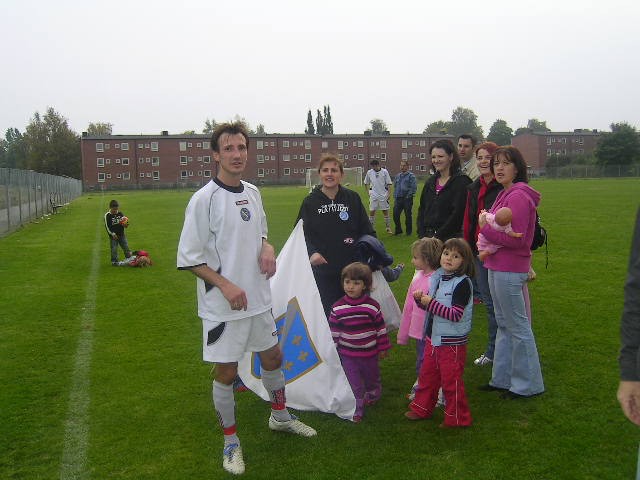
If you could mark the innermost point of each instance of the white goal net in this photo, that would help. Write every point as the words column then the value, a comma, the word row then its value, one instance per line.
column 352, row 176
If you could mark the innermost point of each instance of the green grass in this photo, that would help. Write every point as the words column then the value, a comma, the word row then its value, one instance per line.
column 150, row 411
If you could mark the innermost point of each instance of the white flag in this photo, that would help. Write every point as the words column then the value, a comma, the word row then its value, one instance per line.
column 313, row 374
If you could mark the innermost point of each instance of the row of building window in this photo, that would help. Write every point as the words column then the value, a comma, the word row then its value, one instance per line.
column 101, row 147
column 563, row 151
column 184, row 145
column 262, row 172
column 155, row 175
column 578, row 140
column 261, row 144
column 342, row 144
column 153, row 146
column 154, row 161
column 356, row 156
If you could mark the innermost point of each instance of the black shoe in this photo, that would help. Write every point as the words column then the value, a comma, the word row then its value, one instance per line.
column 490, row 388
column 398, row 232
column 408, row 234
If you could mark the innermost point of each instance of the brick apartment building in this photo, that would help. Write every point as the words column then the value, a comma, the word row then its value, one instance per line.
column 537, row 147
column 165, row 161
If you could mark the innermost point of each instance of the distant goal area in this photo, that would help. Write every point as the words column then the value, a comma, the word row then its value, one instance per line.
column 352, row 176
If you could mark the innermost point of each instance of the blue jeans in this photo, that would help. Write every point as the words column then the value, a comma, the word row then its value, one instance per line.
column 516, row 365
column 482, row 283
column 122, row 241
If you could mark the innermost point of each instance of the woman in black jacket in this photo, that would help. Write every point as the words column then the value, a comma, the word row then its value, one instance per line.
column 443, row 197
column 334, row 218
column 482, row 193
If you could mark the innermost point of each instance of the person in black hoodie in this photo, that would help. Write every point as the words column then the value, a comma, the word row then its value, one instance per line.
column 333, row 219
column 444, row 194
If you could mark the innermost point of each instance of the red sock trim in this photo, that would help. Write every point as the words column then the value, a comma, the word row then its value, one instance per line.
column 229, row 430
column 278, row 406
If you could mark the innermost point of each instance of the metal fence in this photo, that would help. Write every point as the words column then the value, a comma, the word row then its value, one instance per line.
column 26, row 195
column 592, row 171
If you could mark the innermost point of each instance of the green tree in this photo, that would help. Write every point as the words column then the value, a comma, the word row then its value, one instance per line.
column 378, row 126
column 13, row 150
column 260, row 130
column 500, row 133
column 620, row 147
column 209, row 126
column 328, row 122
column 238, row 118
column 51, row 146
column 189, row 132
column 310, row 130
column 99, row 128
column 533, row 125
column 438, row 127
column 464, row 120
column 319, row 123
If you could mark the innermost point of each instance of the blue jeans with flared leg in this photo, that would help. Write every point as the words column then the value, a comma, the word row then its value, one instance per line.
column 516, row 365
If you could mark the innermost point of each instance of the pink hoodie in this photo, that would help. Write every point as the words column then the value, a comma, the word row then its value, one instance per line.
column 515, row 254
column 413, row 317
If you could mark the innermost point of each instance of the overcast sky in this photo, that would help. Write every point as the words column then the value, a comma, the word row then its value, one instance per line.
column 147, row 66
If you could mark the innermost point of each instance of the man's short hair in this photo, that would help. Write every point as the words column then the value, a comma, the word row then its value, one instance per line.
column 374, row 162
column 466, row 136
column 113, row 204
column 231, row 128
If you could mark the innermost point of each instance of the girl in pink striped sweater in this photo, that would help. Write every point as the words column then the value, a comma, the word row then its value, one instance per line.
column 359, row 331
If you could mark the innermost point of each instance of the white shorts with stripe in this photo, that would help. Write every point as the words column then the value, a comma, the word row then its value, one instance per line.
column 227, row 342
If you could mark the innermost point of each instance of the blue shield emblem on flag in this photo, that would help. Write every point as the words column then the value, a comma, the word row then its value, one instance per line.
column 298, row 351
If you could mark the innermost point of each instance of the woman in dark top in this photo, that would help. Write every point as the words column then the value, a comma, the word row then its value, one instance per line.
column 482, row 193
column 443, row 196
column 334, row 218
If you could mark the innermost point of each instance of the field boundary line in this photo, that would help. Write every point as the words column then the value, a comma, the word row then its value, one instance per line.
column 76, row 435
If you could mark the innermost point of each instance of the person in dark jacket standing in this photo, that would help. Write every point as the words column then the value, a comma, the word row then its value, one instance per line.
column 115, row 222
column 334, row 218
column 482, row 192
column 444, row 194
column 404, row 188
column 629, row 388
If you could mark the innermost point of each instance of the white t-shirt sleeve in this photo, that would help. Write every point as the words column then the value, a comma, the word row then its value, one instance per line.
column 195, row 233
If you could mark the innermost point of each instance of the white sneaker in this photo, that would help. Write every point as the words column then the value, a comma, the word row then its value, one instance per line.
column 482, row 360
column 232, row 460
column 292, row 426
column 440, row 402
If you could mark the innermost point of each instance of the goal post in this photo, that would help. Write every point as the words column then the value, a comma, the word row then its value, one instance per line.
column 351, row 176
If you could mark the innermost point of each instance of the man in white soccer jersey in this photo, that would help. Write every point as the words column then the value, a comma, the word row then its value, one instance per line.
column 378, row 180
column 224, row 243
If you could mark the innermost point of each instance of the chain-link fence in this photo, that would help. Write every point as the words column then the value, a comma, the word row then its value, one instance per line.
column 592, row 171
column 26, row 195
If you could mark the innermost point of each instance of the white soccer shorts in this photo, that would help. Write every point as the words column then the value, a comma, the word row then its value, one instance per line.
column 227, row 342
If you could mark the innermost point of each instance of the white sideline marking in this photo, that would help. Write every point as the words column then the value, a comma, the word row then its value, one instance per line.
column 76, row 435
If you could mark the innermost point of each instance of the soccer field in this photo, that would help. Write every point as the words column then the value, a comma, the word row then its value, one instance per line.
column 102, row 376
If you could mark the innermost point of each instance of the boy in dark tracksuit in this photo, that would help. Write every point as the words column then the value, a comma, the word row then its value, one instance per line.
column 115, row 229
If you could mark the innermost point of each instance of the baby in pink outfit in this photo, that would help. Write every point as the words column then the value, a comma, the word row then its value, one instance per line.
column 500, row 221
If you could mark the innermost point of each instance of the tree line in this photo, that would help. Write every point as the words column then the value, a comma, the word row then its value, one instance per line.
column 49, row 145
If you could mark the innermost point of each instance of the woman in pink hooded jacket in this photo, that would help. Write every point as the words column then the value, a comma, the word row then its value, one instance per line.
column 516, row 366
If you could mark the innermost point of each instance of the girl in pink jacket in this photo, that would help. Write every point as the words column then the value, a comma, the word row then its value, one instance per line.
column 425, row 254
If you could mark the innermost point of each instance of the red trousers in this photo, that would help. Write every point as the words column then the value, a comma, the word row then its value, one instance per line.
column 443, row 366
